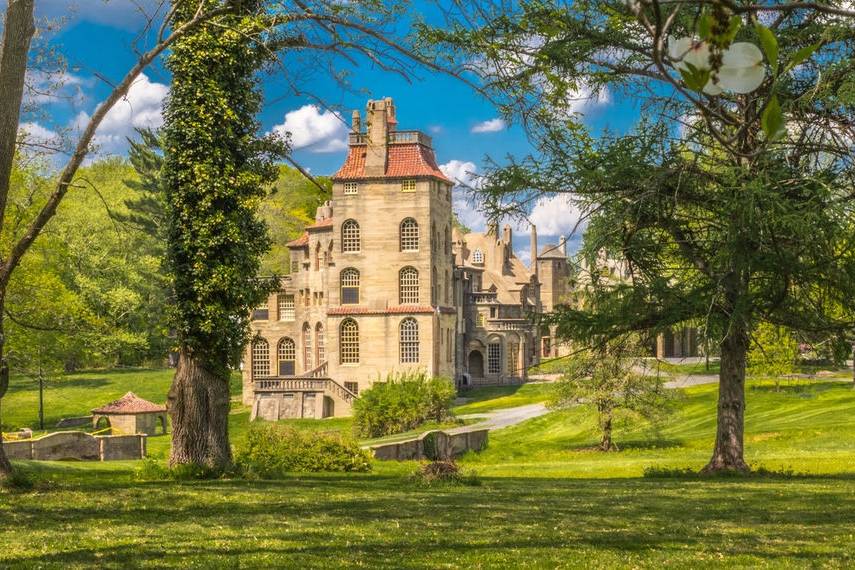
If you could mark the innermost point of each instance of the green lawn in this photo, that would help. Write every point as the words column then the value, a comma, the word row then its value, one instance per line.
column 490, row 398
column 545, row 500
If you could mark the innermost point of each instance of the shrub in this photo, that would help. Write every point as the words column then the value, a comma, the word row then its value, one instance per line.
column 19, row 481
column 443, row 471
column 270, row 451
column 402, row 402
column 154, row 470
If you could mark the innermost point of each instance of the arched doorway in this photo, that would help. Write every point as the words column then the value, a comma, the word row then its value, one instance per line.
column 476, row 364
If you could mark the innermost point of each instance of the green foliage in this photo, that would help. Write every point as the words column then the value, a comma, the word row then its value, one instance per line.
column 402, row 402
column 774, row 352
column 155, row 470
column 216, row 172
column 271, row 451
column 605, row 378
column 84, row 298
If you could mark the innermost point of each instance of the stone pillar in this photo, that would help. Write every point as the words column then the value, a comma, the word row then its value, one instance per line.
column 533, row 264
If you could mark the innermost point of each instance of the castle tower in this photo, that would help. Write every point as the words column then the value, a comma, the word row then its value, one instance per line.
column 390, row 291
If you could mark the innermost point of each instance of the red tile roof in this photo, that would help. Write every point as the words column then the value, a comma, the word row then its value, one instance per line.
column 402, row 160
column 399, row 310
column 327, row 223
column 130, row 403
column 301, row 241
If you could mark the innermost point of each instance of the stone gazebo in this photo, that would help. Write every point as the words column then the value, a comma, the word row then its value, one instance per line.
column 131, row 414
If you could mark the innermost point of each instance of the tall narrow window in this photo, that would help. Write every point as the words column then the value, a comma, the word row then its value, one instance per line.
column 285, row 304
column 260, row 358
column 307, row 347
column 350, row 237
column 351, row 188
column 318, row 257
column 478, row 256
column 433, row 237
column 295, row 266
column 287, row 355
column 448, row 287
column 409, row 235
column 350, row 286
column 480, row 319
column 409, row 287
column 513, row 358
column 447, row 240
column 409, row 340
column 434, row 287
column 408, row 186
column 320, row 344
column 349, row 342
column 494, row 358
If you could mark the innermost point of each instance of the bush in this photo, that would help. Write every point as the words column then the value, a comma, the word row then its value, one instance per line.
column 443, row 471
column 272, row 450
column 402, row 402
column 18, row 481
column 154, row 470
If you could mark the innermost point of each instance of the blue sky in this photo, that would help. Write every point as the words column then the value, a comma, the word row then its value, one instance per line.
column 97, row 40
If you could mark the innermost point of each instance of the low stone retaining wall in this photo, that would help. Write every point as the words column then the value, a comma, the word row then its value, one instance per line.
column 78, row 445
column 432, row 445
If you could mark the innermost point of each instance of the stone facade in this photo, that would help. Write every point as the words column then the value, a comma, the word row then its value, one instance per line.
column 381, row 283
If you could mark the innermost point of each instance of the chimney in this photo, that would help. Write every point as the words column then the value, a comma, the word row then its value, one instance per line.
column 533, row 263
column 356, row 122
column 507, row 236
column 562, row 243
column 378, row 134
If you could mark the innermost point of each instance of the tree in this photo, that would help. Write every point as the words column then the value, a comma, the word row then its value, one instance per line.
column 215, row 174
column 731, row 202
column 605, row 377
column 18, row 31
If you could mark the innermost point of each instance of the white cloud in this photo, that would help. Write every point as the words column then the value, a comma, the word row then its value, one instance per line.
column 35, row 133
column 465, row 174
column 141, row 108
column 491, row 126
column 462, row 173
column 126, row 14
column 314, row 130
column 556, row 216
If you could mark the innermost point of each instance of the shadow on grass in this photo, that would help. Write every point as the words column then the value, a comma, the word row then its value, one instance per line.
column 479, row 394
column 387, row 521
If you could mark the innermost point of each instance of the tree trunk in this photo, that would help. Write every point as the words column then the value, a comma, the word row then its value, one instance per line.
column 729, row 451
column 606, row 424
column 198, row 405
column 14, row 50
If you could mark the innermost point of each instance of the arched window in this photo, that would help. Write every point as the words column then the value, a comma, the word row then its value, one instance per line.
column 349, row 342
column 409, row 340
column 350, row 236
column 287, row 354
column 478, row 256
column 307, row 347
column 349, row 286
column 409, row 235
column 260, row 358
column 409, row 286
column 317, row 257
column 320, row 344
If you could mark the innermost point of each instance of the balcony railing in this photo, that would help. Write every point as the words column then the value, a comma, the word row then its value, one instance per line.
column 395, row 137
column 508, row 324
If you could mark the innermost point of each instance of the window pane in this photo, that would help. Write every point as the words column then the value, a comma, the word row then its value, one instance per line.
column 286, row 306
column 409, row 286
column 409, row 235
column 260, row 358
column 349, row 342
column 494, row 358
column 350, row 236
column 409, row 340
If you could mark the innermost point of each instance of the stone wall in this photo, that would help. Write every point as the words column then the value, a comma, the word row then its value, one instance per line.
column 77, row 445
column 432, row 445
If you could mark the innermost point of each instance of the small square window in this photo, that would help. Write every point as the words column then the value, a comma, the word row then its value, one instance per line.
column 408, row 186
column 351, row 188
column 295, row 266
column 352, row 387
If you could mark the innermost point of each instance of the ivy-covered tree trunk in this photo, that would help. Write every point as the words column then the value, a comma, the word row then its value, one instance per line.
column 728, row 453
column 199, row 407
column 215, row 174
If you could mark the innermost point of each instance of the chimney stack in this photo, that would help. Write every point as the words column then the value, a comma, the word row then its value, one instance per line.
column 562, row 243
column 533, row 262
column 377, row 120
column 508, row 236
column 356, row 122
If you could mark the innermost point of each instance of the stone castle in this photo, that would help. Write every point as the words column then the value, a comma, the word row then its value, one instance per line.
column 383, row 282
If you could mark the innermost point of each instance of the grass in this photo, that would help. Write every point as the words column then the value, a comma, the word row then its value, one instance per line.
column 545, row 500
column 491, row 398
